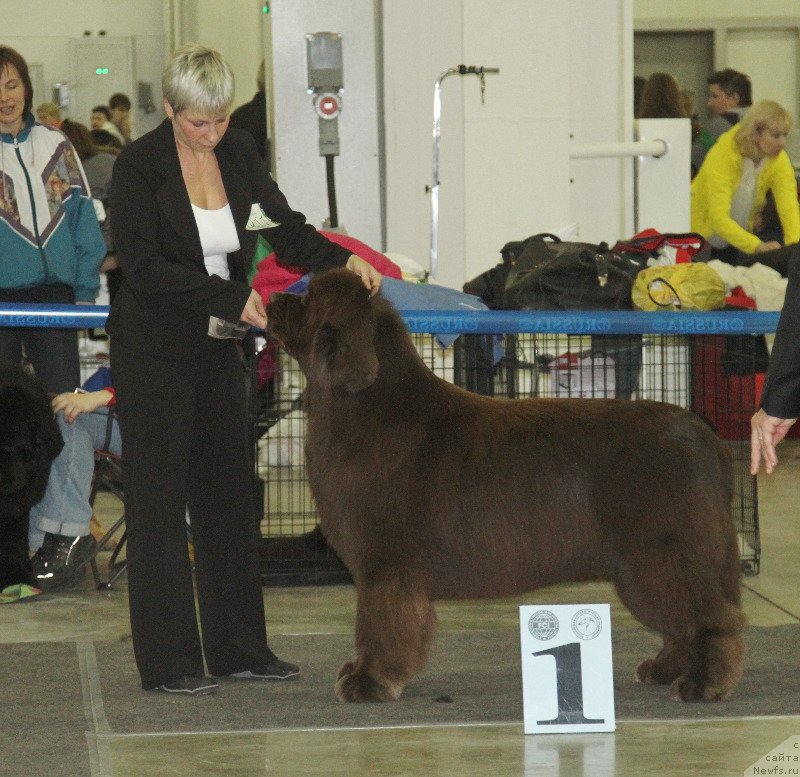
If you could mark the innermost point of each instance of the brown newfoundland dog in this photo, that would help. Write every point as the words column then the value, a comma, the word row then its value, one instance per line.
column 427, row 492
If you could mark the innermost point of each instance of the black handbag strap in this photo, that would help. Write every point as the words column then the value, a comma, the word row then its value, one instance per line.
column 670, row 287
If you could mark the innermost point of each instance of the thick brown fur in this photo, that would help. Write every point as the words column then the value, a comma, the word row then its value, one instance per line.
column 427, row 492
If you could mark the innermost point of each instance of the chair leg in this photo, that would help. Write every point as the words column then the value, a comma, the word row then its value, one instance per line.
column 108, row 476
column 117, row 567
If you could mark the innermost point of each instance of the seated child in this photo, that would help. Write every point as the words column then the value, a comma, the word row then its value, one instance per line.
column 58, row 526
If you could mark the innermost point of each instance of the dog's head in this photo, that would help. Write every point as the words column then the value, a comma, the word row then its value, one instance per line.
column 330, row 330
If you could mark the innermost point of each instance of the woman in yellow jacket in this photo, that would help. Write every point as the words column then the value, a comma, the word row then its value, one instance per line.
column 729, row 191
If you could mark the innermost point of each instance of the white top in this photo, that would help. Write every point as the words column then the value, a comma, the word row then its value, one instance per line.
column 217, row 237
column 742, row 201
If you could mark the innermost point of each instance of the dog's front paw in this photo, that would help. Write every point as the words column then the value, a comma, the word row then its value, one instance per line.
column 346, row 669
column 359, row 686
column 650, row 672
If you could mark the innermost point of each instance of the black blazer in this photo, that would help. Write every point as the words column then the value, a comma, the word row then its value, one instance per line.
column 781, row 395
column 167, row 295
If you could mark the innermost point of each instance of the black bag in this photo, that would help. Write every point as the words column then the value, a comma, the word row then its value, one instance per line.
column 489, row 286
column 549, row 274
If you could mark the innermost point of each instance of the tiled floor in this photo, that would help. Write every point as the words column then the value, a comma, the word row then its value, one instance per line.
column 724, row 747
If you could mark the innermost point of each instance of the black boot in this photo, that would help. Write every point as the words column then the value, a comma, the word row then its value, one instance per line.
column 56, row 563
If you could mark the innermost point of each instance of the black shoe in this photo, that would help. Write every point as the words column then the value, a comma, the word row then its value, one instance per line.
column 274, row 670
column 60, row 557
column 189, row 685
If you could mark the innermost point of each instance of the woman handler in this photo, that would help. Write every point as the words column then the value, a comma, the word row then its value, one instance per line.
column 189, row 199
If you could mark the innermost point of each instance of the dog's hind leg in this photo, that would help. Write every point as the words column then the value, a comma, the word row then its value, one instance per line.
column 703, row 653
column 395, row 625
column 716, row 641
column 718, row 668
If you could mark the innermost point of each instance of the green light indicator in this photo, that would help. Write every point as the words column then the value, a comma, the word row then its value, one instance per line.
column 265, row 8
column 101, row 71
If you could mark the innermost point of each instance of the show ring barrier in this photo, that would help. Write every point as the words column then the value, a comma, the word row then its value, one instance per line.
column 495, row 322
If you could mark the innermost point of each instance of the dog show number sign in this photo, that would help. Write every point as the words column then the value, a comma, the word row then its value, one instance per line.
column 567, row 677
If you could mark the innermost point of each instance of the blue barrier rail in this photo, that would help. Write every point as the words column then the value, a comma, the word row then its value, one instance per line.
column 467, row 321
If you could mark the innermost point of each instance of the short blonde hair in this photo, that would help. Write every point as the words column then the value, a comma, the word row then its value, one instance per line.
column 198, row 78
column 763, row 115
column 49, row 109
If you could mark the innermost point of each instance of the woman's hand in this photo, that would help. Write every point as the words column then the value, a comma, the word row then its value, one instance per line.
column 767, row 432
column 72, row 405
column 370, row 277
column 254, row 312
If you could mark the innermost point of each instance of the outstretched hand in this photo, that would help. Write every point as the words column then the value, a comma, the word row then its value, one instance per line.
column 767, row 432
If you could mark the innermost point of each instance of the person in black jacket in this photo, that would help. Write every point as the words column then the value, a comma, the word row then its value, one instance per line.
column 189, row 199
column 252, row 116
column 780, row 399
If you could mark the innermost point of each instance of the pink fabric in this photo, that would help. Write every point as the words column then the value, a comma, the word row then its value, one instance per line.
column 271, row 275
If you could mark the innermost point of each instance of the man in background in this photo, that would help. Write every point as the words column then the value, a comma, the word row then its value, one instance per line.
column 730, row 94
column 252, row 116
column 103, row 131
column 120, row 106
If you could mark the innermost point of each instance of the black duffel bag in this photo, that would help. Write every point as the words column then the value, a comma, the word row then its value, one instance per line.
column 551, row 274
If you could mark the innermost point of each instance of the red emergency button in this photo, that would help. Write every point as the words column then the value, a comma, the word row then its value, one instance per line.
column 328, row 105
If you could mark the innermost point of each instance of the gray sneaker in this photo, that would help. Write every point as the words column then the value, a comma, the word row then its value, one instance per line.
column 274, row 670
column 190, row 685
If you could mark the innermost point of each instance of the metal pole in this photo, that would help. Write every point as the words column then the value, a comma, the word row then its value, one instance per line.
column 462, row 70
column 655, row 148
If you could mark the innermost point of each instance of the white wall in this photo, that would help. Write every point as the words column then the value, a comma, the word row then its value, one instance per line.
column 234, row 28
column 41, row 31
column 300, row 169
column 505, row 170
column 685, row 10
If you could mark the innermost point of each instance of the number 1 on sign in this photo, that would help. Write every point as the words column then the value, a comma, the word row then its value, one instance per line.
column 569, row 686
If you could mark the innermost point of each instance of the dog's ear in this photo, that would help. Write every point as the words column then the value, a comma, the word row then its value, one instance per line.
column 344, row 360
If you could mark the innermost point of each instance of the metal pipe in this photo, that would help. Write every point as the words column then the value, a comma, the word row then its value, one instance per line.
column 462, row 70
column 599, row 322
column 40, row 314
column 655, row 148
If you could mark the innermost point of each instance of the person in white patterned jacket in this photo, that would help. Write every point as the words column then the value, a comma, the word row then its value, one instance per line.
column 51, row 246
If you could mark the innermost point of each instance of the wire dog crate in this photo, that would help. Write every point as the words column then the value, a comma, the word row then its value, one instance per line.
column 716, row 376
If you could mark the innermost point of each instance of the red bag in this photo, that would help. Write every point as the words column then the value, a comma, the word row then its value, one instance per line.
column 686, row 246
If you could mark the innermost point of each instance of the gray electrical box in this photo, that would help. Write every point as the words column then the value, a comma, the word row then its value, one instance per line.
column 324, row 61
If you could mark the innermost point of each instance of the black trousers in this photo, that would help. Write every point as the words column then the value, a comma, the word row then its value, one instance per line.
column 185, row 443
column 52, row 352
